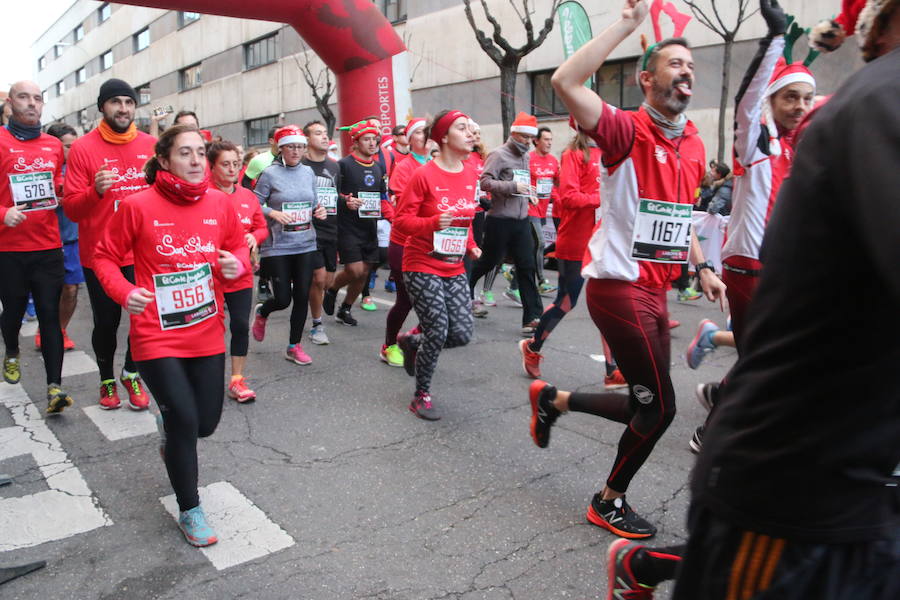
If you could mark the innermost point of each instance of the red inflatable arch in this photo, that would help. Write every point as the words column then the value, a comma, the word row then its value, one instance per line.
column 351, row 37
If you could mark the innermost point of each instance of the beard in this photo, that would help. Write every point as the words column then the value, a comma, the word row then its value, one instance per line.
column 669, row 97
column 114, row 123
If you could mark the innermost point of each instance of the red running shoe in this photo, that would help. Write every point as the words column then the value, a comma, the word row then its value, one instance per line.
column 531, row 360
column 240, row 392
column 621, row 582
column 137, row 397
column 615, row 381
column 109, row 395
column 68, row 344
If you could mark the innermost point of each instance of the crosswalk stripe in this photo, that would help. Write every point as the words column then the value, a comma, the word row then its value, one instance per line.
column 76, row 362
column 121, row 423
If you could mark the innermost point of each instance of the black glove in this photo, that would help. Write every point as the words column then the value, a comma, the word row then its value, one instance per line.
column 484, row 203
column 774, row 16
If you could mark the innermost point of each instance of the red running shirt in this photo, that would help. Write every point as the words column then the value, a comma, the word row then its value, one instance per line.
column 579, row 199
column 544, row 173
column 249, row 213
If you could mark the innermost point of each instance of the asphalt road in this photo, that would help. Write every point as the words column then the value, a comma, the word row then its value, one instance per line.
column 369, row 501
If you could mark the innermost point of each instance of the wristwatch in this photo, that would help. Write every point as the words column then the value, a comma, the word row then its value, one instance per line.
column 705, row 265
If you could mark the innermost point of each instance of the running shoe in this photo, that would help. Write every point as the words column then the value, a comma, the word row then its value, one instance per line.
column 259, row 327
column 239, row 391
column 689, row 294
column 696, row 442
column 615, row 381
column 263, row 292
column 68, row 344
column 37, row 340
column 30, row 314
column 422, row 407
column 390, row 286
column 11, row 372
column 531, row 360
column 543, row 414
column 546, row 287
column 109, row 395
column 137, row 397
column 508, row 272
column 367, row 304
column 392, row 355
column 513, row 296
column 707, row 394
column 57, row 400
column 196, row 530
column 702, row 344
column 372, row 277
column 343, row 316
column 618, row 517
column 478, row 309
column 487, row 297
column 673, row 323
column 318, row 336
column 621, row 582
column 328, row 301
column 295, row 354
column 529, row 328
column 409, row 345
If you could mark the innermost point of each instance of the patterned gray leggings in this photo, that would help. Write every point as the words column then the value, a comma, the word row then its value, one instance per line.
column 445, row 316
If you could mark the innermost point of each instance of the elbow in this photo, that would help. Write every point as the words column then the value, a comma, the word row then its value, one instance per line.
column 558, row 81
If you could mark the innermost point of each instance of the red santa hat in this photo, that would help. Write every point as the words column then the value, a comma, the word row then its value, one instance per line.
column 784, row 75
column 857, row 16
column 289, row 134
column 387, row 140
column 525, row 123
column 413, row 125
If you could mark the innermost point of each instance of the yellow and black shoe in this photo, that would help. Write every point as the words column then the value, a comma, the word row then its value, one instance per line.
column 11, row 372
column 57, row 400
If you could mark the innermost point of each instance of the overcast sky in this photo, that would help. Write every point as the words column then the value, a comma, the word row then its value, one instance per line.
column 18, row 32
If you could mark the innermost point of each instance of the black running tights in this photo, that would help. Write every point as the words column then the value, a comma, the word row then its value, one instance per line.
column 239, row 319
column 291, row 277
column 107, row 314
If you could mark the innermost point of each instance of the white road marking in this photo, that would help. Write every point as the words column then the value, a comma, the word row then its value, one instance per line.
column 29, row 329
column 342, row 294
column 68, row 507
column 598, row 357
column 121, row 423
column 76, row 362
column 244, row 531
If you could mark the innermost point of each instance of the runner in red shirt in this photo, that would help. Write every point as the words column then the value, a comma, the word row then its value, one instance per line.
column 653, row 162
column 105, row 167
column 224, row 164
column 31, row 258
column 545, row 179
column 188, row 244
column 435, row 213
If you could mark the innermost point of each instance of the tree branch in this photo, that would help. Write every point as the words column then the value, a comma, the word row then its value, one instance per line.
column 498, row 31
column 482, row 38
column 703, row 18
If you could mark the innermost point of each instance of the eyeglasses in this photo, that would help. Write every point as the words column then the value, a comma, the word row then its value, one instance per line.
column 294, row 147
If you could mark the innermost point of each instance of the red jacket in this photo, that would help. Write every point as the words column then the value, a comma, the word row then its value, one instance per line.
column 82, row 204
column 44, row 154
column 249, row 213
column 167, row 237
column 544, row 171
column 430, row 192
column 579, row 199
column 403, row 170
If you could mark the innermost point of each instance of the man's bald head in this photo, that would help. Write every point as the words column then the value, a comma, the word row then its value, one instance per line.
column 26, row 101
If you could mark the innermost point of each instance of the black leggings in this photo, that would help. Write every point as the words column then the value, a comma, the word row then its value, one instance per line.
column 570, row 284
column 291, row 277
column 107, row 314
column 189, row 392
column 40, row 273
column 383, row 259
column 239, row 319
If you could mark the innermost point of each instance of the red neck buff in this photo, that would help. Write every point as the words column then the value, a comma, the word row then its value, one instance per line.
column 178, row 190
column 442, row 125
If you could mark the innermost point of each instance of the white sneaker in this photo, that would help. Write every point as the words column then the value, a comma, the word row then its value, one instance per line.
column 318, row 336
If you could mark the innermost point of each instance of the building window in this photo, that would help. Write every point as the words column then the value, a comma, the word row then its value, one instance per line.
column 106, row 60
column 141, row 39
column 544, row 98
column 103, row 12
column 83, row 118
column 189, row 77
column 393, row 10
column 78, row 33
column 616, row 84
column 143, row 92
column 186, row 18
column 42, row 63
column 45, row 96
column 258, row 131
column 261, row 52
column 60, row 88
column 81, row 75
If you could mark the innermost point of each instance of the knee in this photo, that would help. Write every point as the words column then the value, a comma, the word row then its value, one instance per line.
column 206, row 431
column 319, row 276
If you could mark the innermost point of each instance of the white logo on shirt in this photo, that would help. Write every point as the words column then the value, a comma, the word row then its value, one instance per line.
column 39, row 164
column 661, row 155
column 194, row 244
column 158, row 224
column 210, row 222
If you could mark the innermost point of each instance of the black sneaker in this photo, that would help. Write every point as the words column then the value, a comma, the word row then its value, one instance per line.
column 543, row 413
column 697, row 440
column 707, row 394
column 422, row 407
column 343, row 316
column 616, row 516
column 328, row 301
column 621, row 581
column 409, row 344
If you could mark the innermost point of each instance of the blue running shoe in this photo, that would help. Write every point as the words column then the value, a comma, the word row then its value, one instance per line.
column 702, row 344
column 390, row 286
column 196, row 530
column 30, row 315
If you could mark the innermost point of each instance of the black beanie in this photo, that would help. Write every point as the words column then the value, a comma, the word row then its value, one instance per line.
column 112, row 88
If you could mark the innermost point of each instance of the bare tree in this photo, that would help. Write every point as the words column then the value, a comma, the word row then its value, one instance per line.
column 322, row 87
column 502, row 52
column 407, row 41
column 711, row 18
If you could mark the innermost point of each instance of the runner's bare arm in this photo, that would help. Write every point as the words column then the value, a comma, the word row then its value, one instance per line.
column 713, row 287
column 568, row 80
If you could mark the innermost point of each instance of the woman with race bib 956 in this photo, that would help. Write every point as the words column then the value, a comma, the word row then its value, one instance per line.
column 187, row 242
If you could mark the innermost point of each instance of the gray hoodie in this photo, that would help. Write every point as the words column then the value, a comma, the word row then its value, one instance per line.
column 275, row 186
column 497, row 180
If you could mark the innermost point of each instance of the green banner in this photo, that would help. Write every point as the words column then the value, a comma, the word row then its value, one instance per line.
column 576, row 30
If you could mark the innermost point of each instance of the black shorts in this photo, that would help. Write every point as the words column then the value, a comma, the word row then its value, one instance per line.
column 721, row 558
column 352, row 248
column 326, row 256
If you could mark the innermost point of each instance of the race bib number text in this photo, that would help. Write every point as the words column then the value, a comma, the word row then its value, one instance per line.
column 185, row 298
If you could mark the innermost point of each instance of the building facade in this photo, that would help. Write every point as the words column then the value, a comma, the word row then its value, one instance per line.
column 244, row 76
